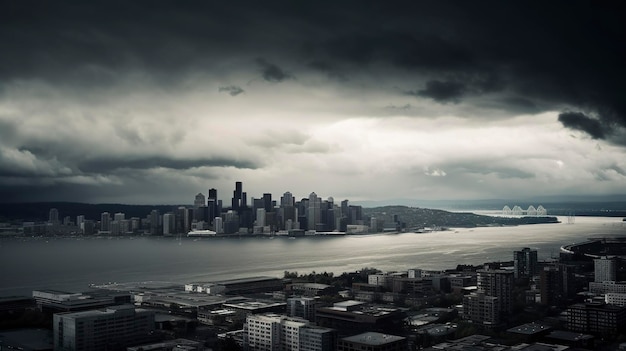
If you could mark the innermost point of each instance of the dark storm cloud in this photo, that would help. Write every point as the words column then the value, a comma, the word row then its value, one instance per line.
column 562, row 55
column 233, row 90
column 441, row 91
column 107, row 165
column 582, row 122
column 331, row 71
column 271, row 72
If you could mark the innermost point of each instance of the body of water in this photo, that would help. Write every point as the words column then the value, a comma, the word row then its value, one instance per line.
column 73, row 263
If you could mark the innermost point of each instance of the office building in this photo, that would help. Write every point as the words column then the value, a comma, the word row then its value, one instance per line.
column 53, row 216
column 111, row 328
column 556, row 284
column 213, row 194
column 269, row 332
column 482, row 309
column 497, row 283
column 605, row 269
column 525, row 263
column 615, row 299
column 199, row 200
column 303, row 307
column 353, row 317
column 54, row 301
column 596, row 318
column 105, row 222
column 168, row 223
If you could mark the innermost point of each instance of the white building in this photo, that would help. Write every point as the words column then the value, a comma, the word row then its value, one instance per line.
column 615, row 299
column 274, row 332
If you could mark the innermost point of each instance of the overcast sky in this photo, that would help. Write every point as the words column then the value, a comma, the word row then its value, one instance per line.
column 150, row 102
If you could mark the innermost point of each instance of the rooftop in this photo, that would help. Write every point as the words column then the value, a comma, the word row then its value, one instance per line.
column 374, row 339
column 529, row 329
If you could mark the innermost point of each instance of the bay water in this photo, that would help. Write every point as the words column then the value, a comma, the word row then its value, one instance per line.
column 74, row 263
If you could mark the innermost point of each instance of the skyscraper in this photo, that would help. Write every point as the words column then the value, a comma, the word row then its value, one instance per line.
column 199, row 200
column 105, row 221
column 237, row 196
column 53, row 216
column 525, row 263
column 213, row 194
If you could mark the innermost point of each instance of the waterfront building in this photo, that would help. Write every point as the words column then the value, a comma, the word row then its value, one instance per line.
column 525, row 263
column 112, row 328
column 105, row 222
column 53, row 216
column 168, row 223
column 79, row 220
column 372, row 341
column 605, row 269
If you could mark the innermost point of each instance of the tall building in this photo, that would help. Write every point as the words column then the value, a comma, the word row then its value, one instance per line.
column 155, row 226
column 213, row 194
column 105, row 222
column 493, row 301
column 273, row 332
column 286, row 199
column 119, row 217
column 260, row 217
column 313, row 213
column 605, row 269
column 525, row 263
column 53, row 216
column 113, row 328
column 168, row 223
column 237, row 196
column 497, row 283
column 556, row 284
column 199, row 200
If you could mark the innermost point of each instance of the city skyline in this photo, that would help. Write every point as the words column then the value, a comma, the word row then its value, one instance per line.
column 152, row 103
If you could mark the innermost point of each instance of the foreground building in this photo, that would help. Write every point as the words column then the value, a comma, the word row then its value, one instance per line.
column 114, row 328
column 596, row 318
column 269, row 332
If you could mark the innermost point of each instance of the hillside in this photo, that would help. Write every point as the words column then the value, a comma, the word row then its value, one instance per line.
column 415, row 217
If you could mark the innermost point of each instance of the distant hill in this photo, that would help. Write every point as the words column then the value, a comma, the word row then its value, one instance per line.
column 415, row 217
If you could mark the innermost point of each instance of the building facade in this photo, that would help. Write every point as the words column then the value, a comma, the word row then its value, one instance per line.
column 113, row 328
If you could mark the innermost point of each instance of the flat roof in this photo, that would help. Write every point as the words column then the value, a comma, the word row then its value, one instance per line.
column 529, row 329
column 246, row 280
column 374, row 339
column 569, row 336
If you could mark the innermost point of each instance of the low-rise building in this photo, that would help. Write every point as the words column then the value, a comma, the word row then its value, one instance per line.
column 372, row 341
column 596, row 318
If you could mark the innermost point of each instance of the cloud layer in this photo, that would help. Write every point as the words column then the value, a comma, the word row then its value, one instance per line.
column 148, row 102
